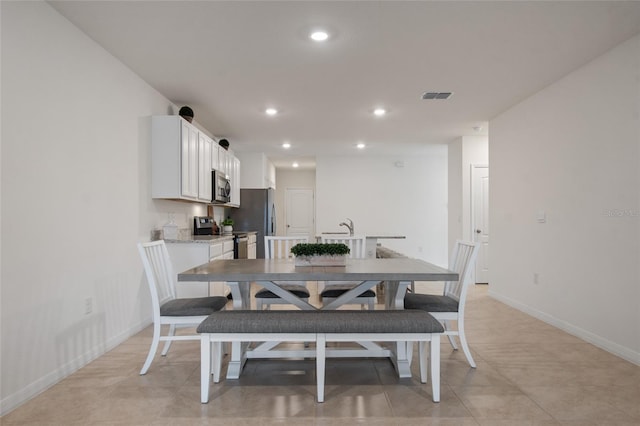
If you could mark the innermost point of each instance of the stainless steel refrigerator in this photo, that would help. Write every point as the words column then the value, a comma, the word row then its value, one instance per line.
column 257, row 212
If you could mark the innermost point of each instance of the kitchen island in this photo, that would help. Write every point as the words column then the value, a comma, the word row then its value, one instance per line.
column 371, row 242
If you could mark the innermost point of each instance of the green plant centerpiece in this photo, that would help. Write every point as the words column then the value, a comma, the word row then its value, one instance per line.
column 316, row 254
column 227, row 226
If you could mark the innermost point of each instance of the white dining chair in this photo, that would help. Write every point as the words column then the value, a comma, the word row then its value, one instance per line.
column 167, row 309
column 334, row 289
column 450, row 306
column 280, row 248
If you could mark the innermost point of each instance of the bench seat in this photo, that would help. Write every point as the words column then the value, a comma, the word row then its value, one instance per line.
column 320, row 327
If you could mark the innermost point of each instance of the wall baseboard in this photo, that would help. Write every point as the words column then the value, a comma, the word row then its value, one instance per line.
column 599, row 341
column 16, row 399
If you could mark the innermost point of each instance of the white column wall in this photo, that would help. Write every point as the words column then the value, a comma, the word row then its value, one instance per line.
column 75, row 199
column 572, row 152
column 382, row 198
column 455, row 211
column 464, row 152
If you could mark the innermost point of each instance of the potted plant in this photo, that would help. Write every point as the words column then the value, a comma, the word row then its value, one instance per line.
column 227, row 226
column 316, row 254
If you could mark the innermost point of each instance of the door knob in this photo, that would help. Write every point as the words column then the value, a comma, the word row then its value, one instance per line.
column 478, row 231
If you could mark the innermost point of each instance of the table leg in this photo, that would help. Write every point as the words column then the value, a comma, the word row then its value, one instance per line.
column 241, row 292
column 237, row 360
column 286, row 295
column 401, row 358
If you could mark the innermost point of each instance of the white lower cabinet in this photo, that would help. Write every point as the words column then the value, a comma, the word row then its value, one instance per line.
column 252, row 247
column 186, row 255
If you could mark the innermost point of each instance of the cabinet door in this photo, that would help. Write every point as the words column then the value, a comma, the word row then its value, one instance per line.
column 252, row 251
column 204, row 167
column 222, row 161
column 189, row 161
column 215, row 157
column 235, row 181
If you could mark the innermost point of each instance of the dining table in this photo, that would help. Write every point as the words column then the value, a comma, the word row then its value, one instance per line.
column 396, row 274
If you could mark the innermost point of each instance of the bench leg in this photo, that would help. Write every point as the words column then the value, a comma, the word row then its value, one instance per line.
column 435, row 366
column 205, row 368
column 321, row 344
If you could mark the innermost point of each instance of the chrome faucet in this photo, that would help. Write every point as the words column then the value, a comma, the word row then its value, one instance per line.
column 349, row 225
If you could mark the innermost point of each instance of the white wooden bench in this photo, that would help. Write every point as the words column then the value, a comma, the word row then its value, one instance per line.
column 319, row 327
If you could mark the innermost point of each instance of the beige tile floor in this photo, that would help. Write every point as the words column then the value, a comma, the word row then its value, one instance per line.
column 529, row 373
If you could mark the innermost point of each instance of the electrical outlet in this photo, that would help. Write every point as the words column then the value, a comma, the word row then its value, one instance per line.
column 536, row 278
column 420, row 249
column 88, row 305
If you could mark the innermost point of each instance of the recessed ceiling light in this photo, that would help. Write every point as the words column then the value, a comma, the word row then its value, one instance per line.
column 361, row 145
column 271, row 111
column 286, row 145
column 319, row 36
column 295, row 165
column 379, row 112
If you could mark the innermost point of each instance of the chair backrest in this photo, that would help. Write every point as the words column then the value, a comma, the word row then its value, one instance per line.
column 280, row 247
column 357, row 245
column 463, row 258
column 159, row 271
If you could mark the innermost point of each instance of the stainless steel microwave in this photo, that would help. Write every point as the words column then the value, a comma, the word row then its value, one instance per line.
column 221, row 188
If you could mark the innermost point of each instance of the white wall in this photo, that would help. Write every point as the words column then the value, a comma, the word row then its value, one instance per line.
column 572, row 151
column 382, row 198
column 291, row 179
column 75, row 199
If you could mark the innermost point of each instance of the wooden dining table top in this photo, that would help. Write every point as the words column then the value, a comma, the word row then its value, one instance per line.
column 392, row 269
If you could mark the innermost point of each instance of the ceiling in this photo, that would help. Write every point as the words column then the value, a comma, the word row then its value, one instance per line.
column 231, row 60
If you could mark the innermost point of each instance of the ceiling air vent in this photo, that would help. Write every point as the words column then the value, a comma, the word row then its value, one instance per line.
column 436, row 95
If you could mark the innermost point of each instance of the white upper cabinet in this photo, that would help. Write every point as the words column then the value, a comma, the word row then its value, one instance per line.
column 215, row 156
column 257, row 170
column 180, row 160
column 205, row 144
column 182, row 157
column 235, row 182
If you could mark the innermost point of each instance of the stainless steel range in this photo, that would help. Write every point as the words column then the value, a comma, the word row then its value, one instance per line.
column 204, row 225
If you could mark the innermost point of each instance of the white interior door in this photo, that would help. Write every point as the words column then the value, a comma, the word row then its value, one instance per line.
column 480, row 219
column 299, row 212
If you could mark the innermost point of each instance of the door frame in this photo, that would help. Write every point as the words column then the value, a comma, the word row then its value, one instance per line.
column 472, row 205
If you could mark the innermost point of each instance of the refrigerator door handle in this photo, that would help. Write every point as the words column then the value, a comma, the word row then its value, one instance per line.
column 273, row 220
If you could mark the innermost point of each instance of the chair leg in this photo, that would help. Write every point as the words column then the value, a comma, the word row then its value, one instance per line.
column 152, row 349
column 321, row 344
column 423, row 362
column 216, row 360
column 452, row 339
column 167, row 343
column 205, row 367
column 463, row 343
column 435, row 366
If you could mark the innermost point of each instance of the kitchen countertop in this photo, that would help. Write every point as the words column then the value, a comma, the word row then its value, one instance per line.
column 204, row 239
column 377, row 236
